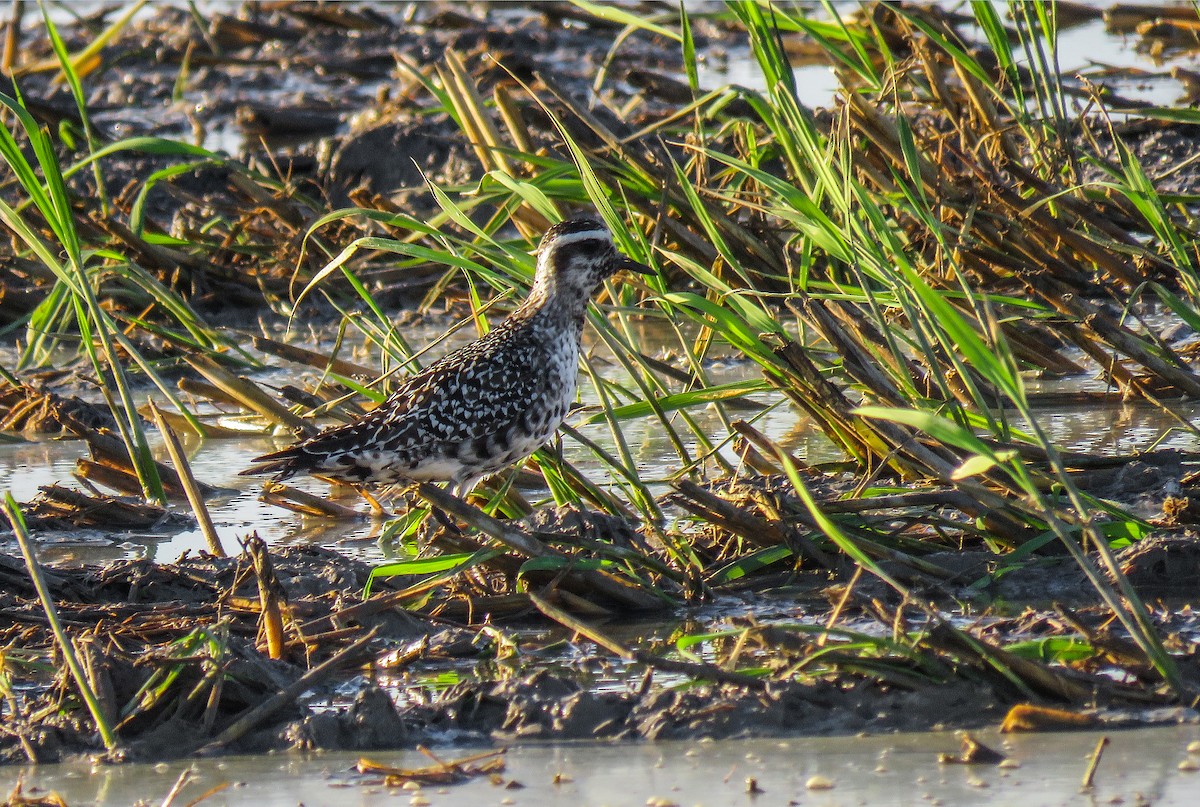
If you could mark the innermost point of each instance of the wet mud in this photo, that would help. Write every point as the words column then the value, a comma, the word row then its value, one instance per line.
column 179, row 656
column 312, row 95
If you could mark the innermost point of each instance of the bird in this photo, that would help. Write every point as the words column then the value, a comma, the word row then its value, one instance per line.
column 485, row 406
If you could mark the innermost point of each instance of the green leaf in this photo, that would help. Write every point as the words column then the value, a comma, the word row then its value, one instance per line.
column 939, row 428
column 749, row 564
column 620, row 16
column 979, row 464
column 1054, row 649
column 554, row 563
column 682, row 400
column 444, row 565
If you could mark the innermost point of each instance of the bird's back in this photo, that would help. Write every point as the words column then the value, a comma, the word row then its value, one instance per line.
column 469, row 414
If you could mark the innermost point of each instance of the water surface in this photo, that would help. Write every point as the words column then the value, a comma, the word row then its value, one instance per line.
column 1138, row 767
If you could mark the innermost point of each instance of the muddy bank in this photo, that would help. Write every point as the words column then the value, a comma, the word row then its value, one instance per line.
column 281, row 112
column 278, row 113
column 181, row 661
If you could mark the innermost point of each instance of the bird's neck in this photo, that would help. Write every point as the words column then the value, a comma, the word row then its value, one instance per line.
column 552, row 300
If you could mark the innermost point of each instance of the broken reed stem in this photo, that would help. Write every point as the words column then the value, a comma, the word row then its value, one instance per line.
column 184, row 470
column 270, row 595
column 306, row 504
column 841, row 605
column 12, row 38
column 1093, row 764
column 249, row 396
column 692, row 669
column 185, row 776
column 442, row 772
column 258, row 714
column 60, row 635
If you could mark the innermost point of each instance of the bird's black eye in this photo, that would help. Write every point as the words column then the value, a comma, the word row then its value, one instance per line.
column 589, row 250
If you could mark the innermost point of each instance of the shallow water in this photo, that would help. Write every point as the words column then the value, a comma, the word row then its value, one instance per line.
column 24, row 467
column 237, row 511
column 1086, row 49
column 1138, row 767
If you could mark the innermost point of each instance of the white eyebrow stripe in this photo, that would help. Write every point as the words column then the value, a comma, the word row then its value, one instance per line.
column 583, row 235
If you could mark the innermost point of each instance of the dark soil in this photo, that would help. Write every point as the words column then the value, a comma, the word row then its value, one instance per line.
column 136, row 620
column 323, row 98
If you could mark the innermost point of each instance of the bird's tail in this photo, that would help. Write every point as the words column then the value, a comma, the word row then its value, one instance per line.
column 279, row 465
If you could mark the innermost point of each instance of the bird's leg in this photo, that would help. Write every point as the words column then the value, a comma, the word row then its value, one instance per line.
column 460, row 489
column 443, row 517
column 463, row 487
column 376, row 507
column 446, row 521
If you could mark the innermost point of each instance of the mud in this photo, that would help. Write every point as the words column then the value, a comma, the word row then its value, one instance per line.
column 157, row 636
column 167, row 629
column 347, row 95
column 34, row 409
column 310, row 97
column 545, row 706
column 1163, row 149
column 549, row 706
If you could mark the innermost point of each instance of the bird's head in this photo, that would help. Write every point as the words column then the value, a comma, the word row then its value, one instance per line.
column 575, row 256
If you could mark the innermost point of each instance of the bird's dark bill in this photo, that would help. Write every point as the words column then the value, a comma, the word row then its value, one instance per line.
column 630, row 265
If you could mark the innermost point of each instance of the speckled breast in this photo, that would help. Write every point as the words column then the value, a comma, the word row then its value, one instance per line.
column 555, row 370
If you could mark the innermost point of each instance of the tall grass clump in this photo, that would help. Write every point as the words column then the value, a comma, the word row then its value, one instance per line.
column 886, row 207
column 93, row 258
column 73, row 268
column 896, row 275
